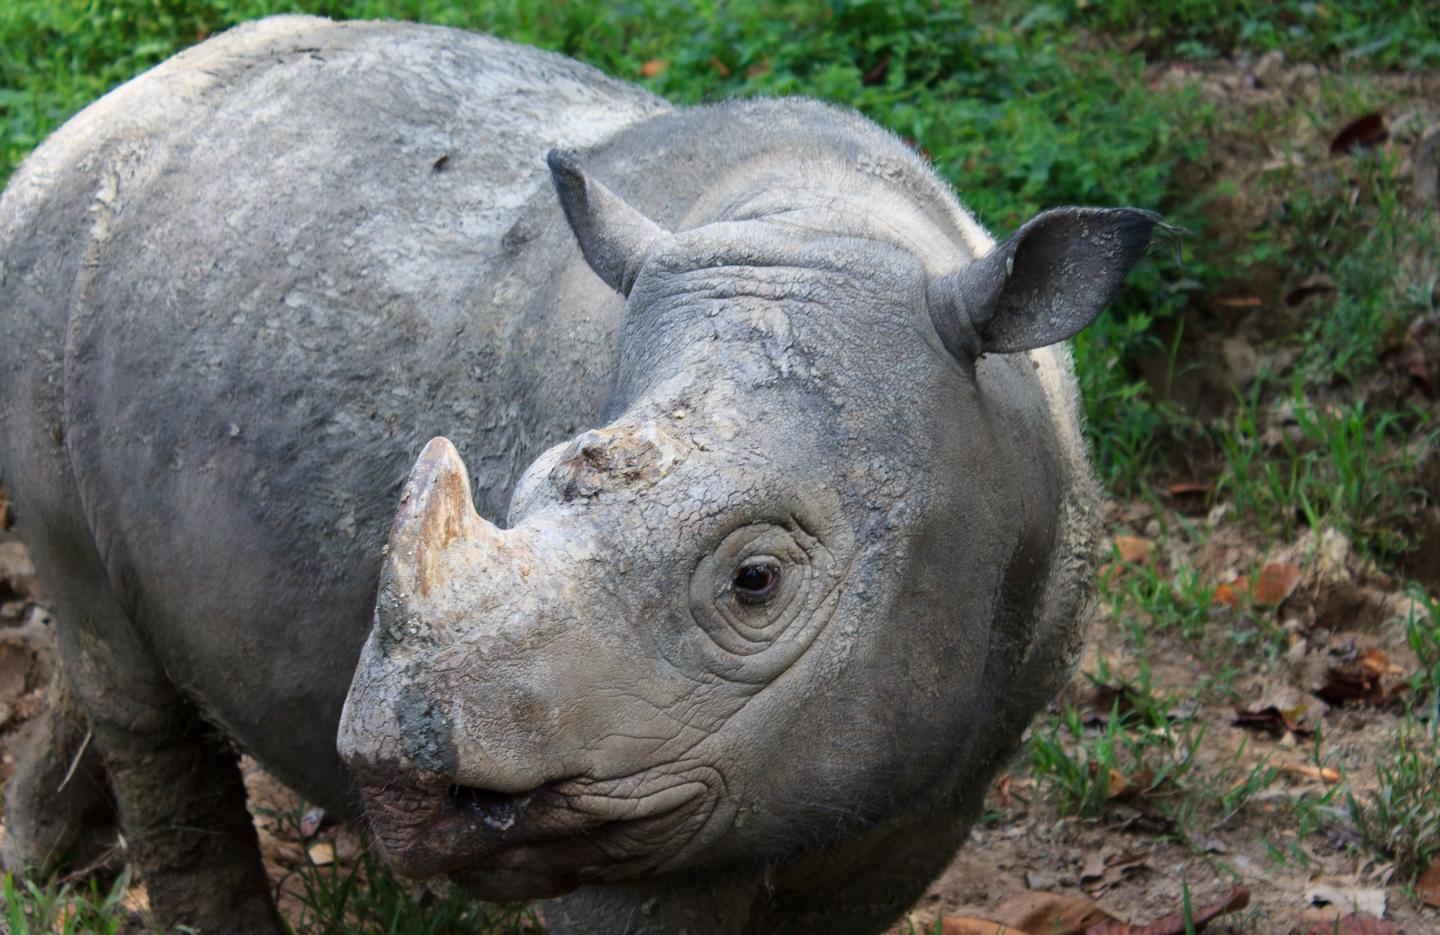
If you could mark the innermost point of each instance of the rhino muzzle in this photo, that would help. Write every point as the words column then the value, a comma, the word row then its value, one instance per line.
column 460, row 725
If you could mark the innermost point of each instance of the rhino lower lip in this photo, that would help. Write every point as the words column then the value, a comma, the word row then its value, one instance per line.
column 554, row 829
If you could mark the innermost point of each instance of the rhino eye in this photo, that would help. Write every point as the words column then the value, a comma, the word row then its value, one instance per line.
column 756, row 580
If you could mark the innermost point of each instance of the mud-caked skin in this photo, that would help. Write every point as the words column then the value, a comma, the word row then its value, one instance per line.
column 790, row 524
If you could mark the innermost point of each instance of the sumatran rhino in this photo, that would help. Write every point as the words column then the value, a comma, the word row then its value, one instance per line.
column 790, row 526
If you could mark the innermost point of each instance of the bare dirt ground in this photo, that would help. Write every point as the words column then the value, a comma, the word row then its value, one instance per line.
column 1337, row 613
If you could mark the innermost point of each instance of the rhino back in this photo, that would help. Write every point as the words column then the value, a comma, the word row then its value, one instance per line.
column 241, row 293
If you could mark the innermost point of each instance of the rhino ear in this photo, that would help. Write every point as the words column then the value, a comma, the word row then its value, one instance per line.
column 614, row 237
column 1045, row 283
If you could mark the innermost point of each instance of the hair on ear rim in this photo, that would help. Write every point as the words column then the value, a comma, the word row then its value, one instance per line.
column 1044, row 283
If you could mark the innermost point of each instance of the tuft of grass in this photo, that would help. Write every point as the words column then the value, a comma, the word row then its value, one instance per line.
column 64, row 908
column 1141, row 753
column 1401, row 822
column 1343, row 465
column 365, row 897
column 1422, row 632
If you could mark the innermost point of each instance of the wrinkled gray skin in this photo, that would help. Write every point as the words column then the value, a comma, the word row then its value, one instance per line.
column 797, row 525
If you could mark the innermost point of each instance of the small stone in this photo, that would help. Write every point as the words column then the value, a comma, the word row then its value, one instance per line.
column 321, row 853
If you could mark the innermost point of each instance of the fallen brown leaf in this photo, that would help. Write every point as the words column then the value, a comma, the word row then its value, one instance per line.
column 1361, row 133
column 1371, row 678
column 1428, row 886
column 1241, row 301
column 1134, row 549
column 1109, row 867
column 1356, row 923
column 1231, row 595
column 1288, row 709
column 654, row 67
column 1275, row 582
column 1032, row 911
column 1189, row 489
column 1175, row 923
column 1002, row 789
column 720, row 67
column 1111, row 697
column 877, row 73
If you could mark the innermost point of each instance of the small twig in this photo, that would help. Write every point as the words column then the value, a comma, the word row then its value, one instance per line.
column 75, row 761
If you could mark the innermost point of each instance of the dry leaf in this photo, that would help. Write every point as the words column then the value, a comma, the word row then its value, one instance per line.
column 654, row 67
column 1119, row 697
column 1275, row 582
column 1428, row 886
column 1133, row 549
column 877, row 73
column 1241, row 301
column 1361, row 133
column 1229, row 595
column 1356, row 923
column 1109, row 867
column 1056, row 913
column 1188, row 489
column 1002, row 789
column 1175, row 923
column 322, row 853
column 1371, row 678
column 1288, row 709
column 720, row 67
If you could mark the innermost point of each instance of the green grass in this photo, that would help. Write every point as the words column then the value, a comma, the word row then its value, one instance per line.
column 1422, row 632
column 64, row 909
column 1143, row 752
column 359, row 897
column 1375, row 33
column 1401, row 821
column 363, row 897
column 1313, row 466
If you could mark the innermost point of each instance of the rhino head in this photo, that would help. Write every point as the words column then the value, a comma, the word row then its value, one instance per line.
column 794, row 584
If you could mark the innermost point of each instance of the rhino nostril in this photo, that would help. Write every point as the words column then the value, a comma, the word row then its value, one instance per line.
column 498, row 810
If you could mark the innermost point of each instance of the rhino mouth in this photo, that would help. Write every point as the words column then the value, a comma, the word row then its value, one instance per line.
column 540, row 843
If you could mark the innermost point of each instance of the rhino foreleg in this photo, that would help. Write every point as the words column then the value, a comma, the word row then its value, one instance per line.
column 182, row 802
column 175, row 779
column 59, row 814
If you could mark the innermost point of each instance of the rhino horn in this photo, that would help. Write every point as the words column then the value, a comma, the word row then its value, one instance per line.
column 1044, row 283
column 437, row 524
column 614, row 237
